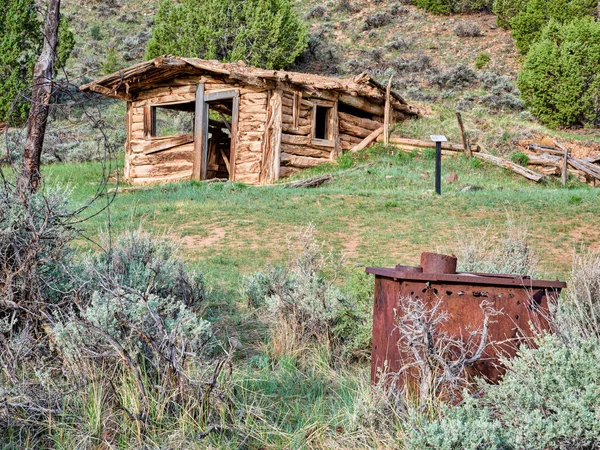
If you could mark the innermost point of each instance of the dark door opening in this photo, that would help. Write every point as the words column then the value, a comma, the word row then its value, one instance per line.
column 219, row 139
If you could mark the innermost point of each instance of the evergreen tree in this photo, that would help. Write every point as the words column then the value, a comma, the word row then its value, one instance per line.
column 21, row 40
column 20, row 35
column 560, row 80
column 264, row 33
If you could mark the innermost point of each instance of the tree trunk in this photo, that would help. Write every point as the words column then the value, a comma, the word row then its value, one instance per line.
column 40, row 100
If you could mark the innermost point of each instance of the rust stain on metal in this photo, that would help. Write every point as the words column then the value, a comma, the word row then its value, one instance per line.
column 523, row 302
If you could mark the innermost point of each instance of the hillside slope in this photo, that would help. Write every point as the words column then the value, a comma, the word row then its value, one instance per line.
column 433, row 60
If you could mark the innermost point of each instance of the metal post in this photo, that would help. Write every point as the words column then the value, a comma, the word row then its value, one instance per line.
column 438, row 139
column 438, row 168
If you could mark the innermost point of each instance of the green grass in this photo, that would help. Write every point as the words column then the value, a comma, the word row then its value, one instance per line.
column 384, row 213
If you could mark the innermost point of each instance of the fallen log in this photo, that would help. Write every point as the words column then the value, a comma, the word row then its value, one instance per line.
column 368, row 140
column 309, row 182
column 523, row 171
column 418, row 143
column 586, row 167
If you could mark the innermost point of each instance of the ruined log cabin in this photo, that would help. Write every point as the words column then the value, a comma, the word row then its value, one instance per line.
column 192, row 118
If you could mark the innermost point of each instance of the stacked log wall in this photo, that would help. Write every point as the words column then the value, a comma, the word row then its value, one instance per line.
column 160, row 159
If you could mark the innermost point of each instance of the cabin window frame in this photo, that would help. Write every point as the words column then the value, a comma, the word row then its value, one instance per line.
column 331, row 131
column 150, row 111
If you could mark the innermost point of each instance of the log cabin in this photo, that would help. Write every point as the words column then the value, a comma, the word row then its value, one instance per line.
column 189, row 118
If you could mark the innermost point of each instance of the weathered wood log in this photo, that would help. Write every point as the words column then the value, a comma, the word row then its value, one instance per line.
column 160, row 144
column 182, row 154
column 302, row 162
column 304, row 130
column 368, row 140
column 360, row 122
column 544, row 149
column 463, row 134
column 523, row 171
column 300, row 150
column 544, row 160
column 585, row 167
column 272, row 139
column 309, row 182
column 427, row 144
column 387, row 113
column 296, row 140
column 348, row 128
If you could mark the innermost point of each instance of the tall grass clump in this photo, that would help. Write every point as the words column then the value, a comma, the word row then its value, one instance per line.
column 506, row 252
column 102, row 350
column 303, row 305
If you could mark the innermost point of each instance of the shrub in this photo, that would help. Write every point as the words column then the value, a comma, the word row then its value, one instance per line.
column 304, row 307
column 458, row 77
column 560, row 79
column 265, row 33
column 548, row 399
column 454, row 6
column 399, row 43
column 527, row 18
column 519, row 158
column 510, row 253
column 95, row 32
column 317, row 12
column 482, row 60
column 550, row 396
column 578, row 312
column 467, row 29
column 418, row 63
column 377, row 20
column 469, row 426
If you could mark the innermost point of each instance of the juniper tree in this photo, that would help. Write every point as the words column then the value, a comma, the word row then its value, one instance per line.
column 264, row 33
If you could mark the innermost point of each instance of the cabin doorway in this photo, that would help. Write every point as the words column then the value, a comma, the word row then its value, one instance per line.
column 214, row 134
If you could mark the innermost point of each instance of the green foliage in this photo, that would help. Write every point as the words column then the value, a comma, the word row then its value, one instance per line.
column 66, row 41
column 264, row 33
column 95, row 32
column 455, row 6
column 20, row 37
column 111, row 63
column 469, row 426
column 482, row 60
column 560, row 79
column 307, row 302
column 527, row 18
column 20, row 44
column 550, row 396
column 548, row 399
column 519, row 158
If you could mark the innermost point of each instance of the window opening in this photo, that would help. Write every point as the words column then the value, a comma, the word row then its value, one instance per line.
column 172, row 120
column 322, row 125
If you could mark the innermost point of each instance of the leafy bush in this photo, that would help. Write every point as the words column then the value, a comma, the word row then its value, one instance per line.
column 458, row 77
column 527, row 18
column 510, row 253
column 304, row 307
column 469, row 426
column 377, row 20
column 467, row 29
column 550, row 396
column 21, row 40
column 560, row 79
column 548, row 399
column 578, row 312
column 519, row 158
column 482, row 60
column 265, row 33
column 454, row 6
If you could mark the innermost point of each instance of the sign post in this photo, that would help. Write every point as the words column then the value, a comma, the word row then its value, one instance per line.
column 438, row 139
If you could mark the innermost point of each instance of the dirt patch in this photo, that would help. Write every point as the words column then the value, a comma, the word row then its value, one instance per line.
column 351, row 244
column 194, row 242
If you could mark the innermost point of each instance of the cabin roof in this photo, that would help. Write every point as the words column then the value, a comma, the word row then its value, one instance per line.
column 123, row 83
